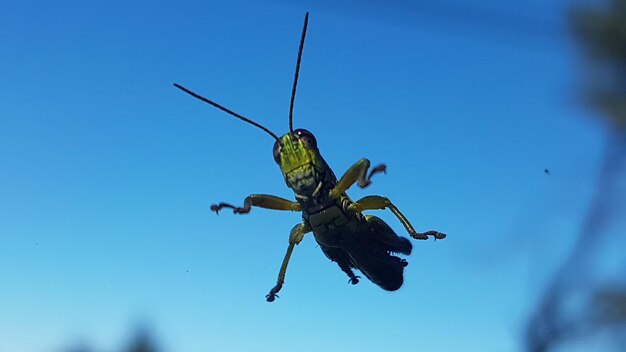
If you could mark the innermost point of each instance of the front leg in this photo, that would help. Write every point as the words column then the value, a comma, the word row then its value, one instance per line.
column 356, row 174
column 296, row 236
column 259, row 200
column 378, row 202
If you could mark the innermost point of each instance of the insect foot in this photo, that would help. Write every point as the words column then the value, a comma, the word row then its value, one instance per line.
column 424, row 235
column 437, row 235
column 270, row 297
column 237, row 210
column 368, row 181
column 379, row 168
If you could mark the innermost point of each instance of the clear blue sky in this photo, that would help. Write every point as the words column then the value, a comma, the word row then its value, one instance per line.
column 107, row 172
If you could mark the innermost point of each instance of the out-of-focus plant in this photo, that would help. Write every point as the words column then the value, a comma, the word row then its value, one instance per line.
column 584, row 305
column 602, row 32
column 142, row 341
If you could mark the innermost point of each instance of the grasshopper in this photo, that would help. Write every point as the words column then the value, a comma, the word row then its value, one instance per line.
column 345, row 235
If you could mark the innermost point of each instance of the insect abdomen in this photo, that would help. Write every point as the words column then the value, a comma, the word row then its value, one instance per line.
column 372, row 254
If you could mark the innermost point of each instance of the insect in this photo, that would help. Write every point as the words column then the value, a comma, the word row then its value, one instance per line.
column 345, row 235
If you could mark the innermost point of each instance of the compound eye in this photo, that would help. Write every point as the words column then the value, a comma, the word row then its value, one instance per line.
column 306, row 137
column 277, row 148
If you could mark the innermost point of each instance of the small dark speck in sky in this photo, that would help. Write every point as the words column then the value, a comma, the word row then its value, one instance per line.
column 546, row 171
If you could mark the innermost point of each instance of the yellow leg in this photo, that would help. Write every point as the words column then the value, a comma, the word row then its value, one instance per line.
column 378, row 202
column 262, row 201
column 357, row 173
column 296, row 235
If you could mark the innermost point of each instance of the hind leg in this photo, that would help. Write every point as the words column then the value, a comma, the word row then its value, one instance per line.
column 378, row 202
column 373, row 259
column 384, row 234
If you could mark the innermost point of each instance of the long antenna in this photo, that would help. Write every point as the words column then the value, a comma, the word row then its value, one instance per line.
column 295, row 79
column 197, row 96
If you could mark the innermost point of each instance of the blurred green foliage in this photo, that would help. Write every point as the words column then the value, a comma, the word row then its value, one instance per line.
column 602, row 34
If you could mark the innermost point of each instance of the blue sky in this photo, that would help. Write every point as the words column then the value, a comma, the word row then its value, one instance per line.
column 107, row 172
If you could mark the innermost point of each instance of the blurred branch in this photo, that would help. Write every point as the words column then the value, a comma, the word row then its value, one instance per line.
column 583, row 301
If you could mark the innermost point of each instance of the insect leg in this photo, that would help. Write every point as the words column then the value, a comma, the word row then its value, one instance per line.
column 341, row 257
column 378, row 202
column 387, row 237
column 357, row 173
column 259, row 200
column 296, row 235
column 354, row 279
